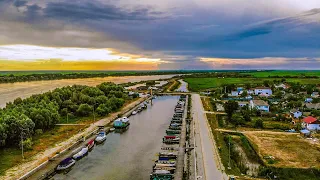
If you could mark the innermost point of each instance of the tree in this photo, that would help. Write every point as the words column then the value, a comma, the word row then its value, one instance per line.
column 244, row 94
column 84, row 110
column 103, row 110
column 246, row 115
column 266, row 83
column 237, row 119
column 258, row 123
column 230, row 107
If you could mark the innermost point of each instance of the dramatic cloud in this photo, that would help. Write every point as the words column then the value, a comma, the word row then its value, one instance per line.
column 180, row 34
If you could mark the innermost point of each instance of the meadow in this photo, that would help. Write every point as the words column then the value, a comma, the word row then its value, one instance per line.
column 283, row 73
column 200, row 84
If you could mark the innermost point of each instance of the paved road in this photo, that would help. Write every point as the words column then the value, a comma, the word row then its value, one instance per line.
column 205, row 144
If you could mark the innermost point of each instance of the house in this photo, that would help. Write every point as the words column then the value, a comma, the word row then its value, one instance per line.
column 313, row 105
column 296, row 113
column 308, row 100
column 305, row 133
column 315, row 94
column 239, row 89
column 311, row 123
column 250, row 91
column 260, row 105
column 243, row 103
column 234, row 93
column 284, row 86
column 262, row 90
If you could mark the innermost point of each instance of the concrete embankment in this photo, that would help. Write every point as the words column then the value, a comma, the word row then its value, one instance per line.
column 46, row 167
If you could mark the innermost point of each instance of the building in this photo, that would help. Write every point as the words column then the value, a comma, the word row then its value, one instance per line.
column 313, row 105
column 243, row 103
column 296, row 113
column 234, row 93
column 311, row 123
column 250, row 91
column 260, row 105
column 308, row 100
column 315, row 94
column 284, row 86
column 262, row 90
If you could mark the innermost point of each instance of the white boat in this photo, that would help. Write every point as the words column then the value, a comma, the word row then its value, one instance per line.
column 101, row 137
column 112, row 129
column 65, row 164
column 134, row 112
column 81, row 153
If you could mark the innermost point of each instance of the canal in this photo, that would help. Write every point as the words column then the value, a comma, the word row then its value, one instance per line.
column 128, row 155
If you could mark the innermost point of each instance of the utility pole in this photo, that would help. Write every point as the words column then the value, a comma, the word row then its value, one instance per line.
column 67, row 116
column 22, row 144
column 229, row 165
column 94, row 117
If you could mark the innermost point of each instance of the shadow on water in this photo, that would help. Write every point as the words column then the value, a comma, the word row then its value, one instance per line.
column 128, row 154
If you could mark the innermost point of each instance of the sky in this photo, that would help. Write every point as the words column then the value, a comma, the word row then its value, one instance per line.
column 159, row 35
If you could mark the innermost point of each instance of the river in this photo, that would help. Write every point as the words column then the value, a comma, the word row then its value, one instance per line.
column 11, row 91
column 130, row 155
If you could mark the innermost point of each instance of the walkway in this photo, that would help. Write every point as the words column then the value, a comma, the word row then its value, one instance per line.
column 208, row 160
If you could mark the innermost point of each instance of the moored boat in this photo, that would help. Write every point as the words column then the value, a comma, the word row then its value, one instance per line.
column 121, row 123
column 134, row 112
column 83, row 152
column 90, row 144
column 101, row 137
column 65, row 164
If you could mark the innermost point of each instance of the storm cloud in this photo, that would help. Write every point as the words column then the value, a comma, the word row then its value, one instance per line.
column 179, row 32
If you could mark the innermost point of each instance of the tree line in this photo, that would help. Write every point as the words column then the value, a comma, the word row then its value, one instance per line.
column 11, row 78
column 24, row 117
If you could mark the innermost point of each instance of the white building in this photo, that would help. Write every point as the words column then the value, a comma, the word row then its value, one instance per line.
column 243, row 103
column 234, row 93
column 260, row 105
column 311, row 123
column 262, row 90
column 296, row 113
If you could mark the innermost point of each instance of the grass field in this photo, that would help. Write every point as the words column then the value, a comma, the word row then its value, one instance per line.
column 284, row 73
column 199, row 84
column 289, row 150
column 10, row 157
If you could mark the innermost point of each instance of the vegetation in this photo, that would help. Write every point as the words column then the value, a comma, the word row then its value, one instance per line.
column 40, row 113
column 22, row 76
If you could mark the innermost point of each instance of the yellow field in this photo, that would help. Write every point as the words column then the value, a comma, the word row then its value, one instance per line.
column 289, row 150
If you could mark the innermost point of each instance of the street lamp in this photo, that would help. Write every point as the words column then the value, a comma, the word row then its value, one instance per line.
column 21, row 135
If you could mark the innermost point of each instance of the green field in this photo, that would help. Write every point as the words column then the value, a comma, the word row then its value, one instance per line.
column 199, row 84
column 283, row 73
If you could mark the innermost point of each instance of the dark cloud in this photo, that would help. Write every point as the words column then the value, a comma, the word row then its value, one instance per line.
column 19, row 3
column 94, row 10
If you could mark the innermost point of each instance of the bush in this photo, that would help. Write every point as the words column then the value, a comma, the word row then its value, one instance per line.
column 84, row 110
column 38, row 132
column 27, row 144
column 258, row 123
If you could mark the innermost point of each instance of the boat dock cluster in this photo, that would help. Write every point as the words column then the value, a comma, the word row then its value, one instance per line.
column 165, row 167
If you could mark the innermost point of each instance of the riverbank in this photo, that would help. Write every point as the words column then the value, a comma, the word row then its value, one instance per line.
column 11, row 91
column 20, row 170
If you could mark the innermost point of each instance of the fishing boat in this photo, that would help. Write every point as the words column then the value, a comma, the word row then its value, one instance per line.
column 65, row 164
column 134, row 112
column 121, row 123
column 90, row 144
column 83, row 152
column 101, row 137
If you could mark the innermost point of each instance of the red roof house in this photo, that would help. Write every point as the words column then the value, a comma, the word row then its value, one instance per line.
column 309, row 119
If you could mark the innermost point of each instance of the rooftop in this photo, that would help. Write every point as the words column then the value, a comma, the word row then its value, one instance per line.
column 260, row 103
column 309, row 119
column 262, row 88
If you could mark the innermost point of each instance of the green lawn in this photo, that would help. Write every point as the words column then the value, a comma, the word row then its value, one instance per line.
column 198, row 84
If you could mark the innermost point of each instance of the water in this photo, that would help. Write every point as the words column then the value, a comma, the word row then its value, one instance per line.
column 183, row 87
column 130, row 155
column 11, row 91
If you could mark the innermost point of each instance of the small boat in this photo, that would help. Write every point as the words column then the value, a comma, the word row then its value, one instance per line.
column 65, row 164
column 90, row 144
column 134, row 112
column 83, row 152
column 101, row 137
column 112, row 129
column 121, row 123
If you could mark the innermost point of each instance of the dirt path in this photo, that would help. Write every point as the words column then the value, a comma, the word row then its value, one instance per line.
column 19, row 170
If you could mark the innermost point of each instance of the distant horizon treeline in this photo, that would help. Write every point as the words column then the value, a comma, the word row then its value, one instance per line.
column 11, row 78
column 41, row 112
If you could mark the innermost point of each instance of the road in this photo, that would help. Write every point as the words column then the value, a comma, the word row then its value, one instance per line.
column 208, row 166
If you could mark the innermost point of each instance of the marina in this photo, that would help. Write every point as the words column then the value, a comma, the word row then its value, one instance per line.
column 131, row 153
